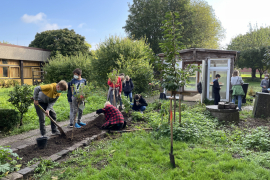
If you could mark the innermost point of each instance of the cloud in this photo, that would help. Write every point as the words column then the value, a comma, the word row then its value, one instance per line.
column 41, row 21
column 49, row 26
column 81, row 25
column 33, row 19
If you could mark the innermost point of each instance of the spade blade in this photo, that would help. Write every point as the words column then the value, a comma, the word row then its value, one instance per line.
column 172, row 160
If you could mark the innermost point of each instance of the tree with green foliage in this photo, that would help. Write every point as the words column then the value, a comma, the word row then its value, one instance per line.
column 252, row 46
column 61, row 67
column 63, row 41
column 173, row 77
column 20, row 97
column 127, row 56
column 200, row 27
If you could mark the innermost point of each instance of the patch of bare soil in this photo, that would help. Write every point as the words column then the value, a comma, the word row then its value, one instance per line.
column 56, row 144
column 253, row 123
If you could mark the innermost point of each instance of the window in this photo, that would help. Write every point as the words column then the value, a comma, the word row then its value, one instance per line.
column 218, row 63
column 14, row 72
column 4, row 61
column 27, row 72
column 4, row 71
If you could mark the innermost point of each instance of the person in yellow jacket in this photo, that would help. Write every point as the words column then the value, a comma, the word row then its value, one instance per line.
column 46, row 96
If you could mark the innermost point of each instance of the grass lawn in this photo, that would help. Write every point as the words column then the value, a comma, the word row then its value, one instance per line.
column 139, row 156
column 203, row 149
column 61, row 107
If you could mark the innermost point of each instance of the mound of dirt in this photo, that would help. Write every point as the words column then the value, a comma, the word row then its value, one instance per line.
column 59, row 143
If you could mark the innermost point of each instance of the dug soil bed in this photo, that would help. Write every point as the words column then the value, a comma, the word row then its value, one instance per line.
column 254, row 123
column 59, row 143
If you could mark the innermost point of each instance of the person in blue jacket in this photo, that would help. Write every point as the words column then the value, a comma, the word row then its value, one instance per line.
column 77, row 81
column 216, row 89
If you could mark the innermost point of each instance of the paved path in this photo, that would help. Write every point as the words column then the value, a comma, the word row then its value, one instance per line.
column 29, row 138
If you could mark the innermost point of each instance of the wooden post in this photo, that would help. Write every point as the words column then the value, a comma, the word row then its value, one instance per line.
column 74, row 122
column 179, row 110
column 21, row 69
column 114, row 104
column 174, row 107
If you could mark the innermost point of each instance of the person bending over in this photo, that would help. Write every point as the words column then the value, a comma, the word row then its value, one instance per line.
column 114, row 118
column 46, row 96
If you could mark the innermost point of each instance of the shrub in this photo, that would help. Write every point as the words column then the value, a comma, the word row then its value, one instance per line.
column 62, row 67
column 7, row 161
column 9, row 118
column 20, row 97
column 4, row 83
column 128, row 56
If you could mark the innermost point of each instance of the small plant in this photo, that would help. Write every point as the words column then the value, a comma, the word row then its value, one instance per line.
column 127, row 105
column 7, row 161
column 258, row 139
column 83, row 92
column 45, row 165
column 251, row 91
column 137, row 116
column 20, row 97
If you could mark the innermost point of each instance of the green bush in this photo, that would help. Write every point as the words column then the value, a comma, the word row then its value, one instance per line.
column 131, row 57
column 20, row 97
column 8, row 161
column 4, row 83
column 9, row 118
column 62, row 67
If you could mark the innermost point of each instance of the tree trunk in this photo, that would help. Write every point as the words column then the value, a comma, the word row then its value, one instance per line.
column 253, row 73
column 21, row 123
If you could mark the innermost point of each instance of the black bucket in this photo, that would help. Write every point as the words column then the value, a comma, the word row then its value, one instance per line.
column 42, row 142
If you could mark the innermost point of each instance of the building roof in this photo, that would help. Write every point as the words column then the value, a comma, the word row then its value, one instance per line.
column 15, row 52
column 205, row 50
column 17, row 46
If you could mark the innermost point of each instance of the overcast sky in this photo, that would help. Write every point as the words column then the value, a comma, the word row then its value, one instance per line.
column 97, row 19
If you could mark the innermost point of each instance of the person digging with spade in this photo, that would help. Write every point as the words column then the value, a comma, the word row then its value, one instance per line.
column 114, row 118
column 46, row 96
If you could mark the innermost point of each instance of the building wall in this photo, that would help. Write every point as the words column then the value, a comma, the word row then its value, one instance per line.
column 23, row 53
column 19, row 62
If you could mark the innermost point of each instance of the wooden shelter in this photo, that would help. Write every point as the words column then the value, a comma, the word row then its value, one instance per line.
column 212, row 62
column 23, row 64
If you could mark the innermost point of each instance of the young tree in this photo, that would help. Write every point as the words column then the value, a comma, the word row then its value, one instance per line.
column 20, row 97
column 63, row 41
column 172, row 76
column 201, row 27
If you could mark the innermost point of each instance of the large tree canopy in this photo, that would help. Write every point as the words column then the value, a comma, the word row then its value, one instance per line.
column 63, row 41
column 252, row 46
column 199, row 28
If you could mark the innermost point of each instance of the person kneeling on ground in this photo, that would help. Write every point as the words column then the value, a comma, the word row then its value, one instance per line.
column 46, row 96
column 139, row 103
column 114, row 118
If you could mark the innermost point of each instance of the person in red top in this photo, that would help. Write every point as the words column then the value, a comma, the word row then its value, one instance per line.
column 114, row 118
column 118, row 90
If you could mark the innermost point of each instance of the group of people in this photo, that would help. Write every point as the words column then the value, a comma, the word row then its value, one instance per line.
column 47, row 95
column 236, row 91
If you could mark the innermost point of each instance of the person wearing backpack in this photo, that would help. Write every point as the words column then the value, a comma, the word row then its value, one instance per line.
column 128, row 87
column 73, row 87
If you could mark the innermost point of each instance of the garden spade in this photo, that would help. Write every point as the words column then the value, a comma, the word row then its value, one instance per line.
column 54, row 122
column 171, row 153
